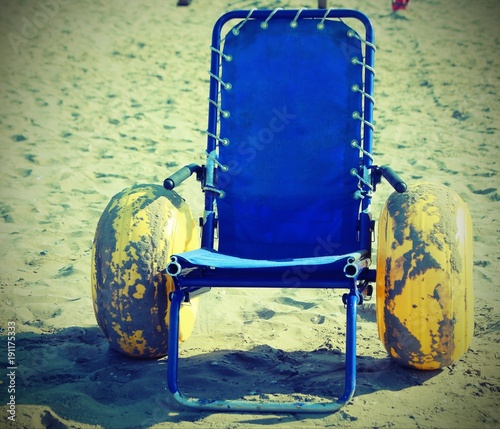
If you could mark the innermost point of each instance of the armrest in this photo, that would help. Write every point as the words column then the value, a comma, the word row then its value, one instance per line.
column 179, row 176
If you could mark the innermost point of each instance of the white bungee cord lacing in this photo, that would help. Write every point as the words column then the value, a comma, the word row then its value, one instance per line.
column 364, row 180
column 265, row 24
column 294, row 23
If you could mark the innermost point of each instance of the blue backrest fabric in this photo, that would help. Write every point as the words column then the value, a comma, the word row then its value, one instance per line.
column 288, row 189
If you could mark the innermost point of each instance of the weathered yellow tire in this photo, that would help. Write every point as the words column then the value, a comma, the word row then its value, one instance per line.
column 136, row 234
column 425, row 304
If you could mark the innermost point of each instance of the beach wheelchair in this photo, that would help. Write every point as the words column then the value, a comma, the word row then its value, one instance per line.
column 288, row 183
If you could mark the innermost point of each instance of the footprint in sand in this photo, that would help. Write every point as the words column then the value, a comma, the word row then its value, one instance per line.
column 318, row 320
column 5, row 213
column 266, row 314
column 299, row 304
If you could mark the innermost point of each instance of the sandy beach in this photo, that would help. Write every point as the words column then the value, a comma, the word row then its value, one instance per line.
column 100, row 95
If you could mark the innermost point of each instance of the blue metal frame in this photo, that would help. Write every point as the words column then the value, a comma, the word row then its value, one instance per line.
column 177, row 299
column 186, row 285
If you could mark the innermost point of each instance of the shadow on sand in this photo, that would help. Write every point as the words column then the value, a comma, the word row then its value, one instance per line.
column 77, row 375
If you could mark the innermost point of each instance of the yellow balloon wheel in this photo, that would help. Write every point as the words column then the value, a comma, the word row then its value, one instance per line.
column 425, row 305
column 136, row 234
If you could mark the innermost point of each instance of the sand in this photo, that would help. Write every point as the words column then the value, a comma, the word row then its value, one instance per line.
column 97, row 96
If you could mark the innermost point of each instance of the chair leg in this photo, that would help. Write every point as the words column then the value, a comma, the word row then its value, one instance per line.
column 350, row 354
column 254, row 406
column 177, row 299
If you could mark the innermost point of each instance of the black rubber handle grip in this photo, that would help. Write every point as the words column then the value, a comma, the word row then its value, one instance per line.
column 396, row 182
column 179, row 176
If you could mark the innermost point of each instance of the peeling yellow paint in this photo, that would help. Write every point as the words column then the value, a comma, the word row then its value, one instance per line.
column 424, row 277
column 139, row 230
column 139, row 292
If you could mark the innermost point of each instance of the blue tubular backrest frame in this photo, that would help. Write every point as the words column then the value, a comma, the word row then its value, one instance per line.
column 267, row 261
